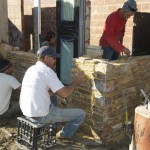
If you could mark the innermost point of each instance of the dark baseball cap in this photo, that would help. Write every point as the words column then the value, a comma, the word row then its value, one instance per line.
column 47, row 50
column 4, row 64
column 130, row 6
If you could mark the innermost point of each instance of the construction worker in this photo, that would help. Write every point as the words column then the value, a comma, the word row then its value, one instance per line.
column 112, row 37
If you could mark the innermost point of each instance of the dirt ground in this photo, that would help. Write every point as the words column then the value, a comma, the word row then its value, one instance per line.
column 8, row 134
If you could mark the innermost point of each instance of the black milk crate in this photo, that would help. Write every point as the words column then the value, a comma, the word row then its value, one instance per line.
column 35, row 136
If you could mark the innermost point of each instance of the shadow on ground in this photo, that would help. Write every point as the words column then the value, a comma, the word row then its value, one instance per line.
column 8, row 134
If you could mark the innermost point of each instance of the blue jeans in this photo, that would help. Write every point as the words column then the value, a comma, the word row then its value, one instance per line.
column 110, row 54
column 73, row 117
column 53, row 99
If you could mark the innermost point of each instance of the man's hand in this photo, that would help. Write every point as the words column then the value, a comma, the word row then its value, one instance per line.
column 67, row 90
column 126, row 51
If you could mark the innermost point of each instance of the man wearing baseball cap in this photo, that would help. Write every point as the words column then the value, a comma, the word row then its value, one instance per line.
column 49, row 39
column 35, row 99
column 8, row 108
column 112, row 37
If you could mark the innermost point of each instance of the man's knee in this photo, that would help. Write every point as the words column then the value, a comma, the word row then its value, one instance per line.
column 82, row 113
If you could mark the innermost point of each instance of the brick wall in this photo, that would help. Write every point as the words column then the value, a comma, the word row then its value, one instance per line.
column 20, row 14
column 21, row 21
column 48, row 20
column 108, row 88
column 100, row 9
column 21, row 60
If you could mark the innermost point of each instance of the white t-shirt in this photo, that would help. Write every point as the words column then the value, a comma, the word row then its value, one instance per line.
column 7, row 83
column 34, row 97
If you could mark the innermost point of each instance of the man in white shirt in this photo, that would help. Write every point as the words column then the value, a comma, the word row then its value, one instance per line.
column 35, row 101
column 7, row 84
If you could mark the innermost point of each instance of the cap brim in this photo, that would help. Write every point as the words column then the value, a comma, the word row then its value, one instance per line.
column 57, row 55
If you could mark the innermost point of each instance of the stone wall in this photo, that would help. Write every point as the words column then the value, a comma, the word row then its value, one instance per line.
column 110, row 88
column 21, row 60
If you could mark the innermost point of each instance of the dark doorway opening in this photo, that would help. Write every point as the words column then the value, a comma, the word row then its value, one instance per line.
column 141, row 34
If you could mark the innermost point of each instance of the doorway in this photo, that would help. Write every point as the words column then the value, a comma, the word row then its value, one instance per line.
column 141, row 34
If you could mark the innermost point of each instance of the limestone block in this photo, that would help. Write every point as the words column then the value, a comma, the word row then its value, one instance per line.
column 116, row 127
column 125, row 79
column 80, row 104
column 104, row 86
column 4, row 48
column 99, row 117
column 94, row 51
column 83, row 91
column 102, row 101
column 103, row 68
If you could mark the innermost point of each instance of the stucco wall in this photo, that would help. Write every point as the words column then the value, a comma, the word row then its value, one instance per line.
column 3, row 21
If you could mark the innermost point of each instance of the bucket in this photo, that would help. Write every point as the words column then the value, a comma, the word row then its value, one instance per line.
column 142, row 128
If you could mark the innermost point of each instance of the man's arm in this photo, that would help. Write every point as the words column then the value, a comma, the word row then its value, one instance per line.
column 67, row 90
column 121, row 38
column 14, row 83
column 19, row 88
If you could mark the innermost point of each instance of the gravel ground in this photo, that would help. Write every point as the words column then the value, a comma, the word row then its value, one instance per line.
column 8, row 134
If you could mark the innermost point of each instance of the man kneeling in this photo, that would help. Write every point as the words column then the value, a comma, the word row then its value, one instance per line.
column 8, row 108
column 35, row 99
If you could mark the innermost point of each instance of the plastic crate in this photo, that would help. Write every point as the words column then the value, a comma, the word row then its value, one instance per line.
column 34, row 137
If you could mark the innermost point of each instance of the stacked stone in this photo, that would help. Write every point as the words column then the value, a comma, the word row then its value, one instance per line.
column 21, row 60
column 109, row 90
